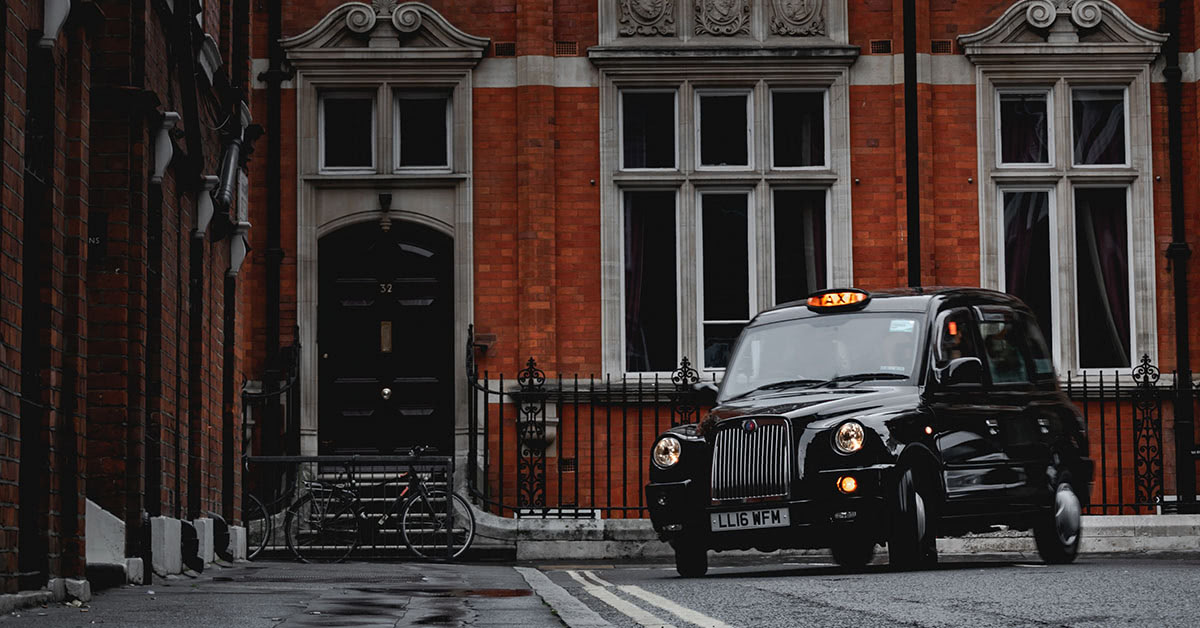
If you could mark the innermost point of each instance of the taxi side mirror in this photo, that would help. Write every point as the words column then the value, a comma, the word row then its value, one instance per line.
column 960, row 371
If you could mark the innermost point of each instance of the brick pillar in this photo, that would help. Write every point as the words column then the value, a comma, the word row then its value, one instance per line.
column 535, row 181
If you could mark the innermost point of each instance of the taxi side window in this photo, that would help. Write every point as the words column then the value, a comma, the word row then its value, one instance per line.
column 1043, row 364
column 955, row 339
column 1005, row 345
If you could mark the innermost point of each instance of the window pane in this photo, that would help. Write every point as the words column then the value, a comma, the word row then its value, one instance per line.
column 799, row 243
column 726, row 272
column 1102, row 277
column 1027, row 252
column 423, row 131
column 1023, row 129
column 1005, row 348
column 1043, row 364
column 650, row 261
column 348, row 130
column 648, row 130
column 718, row 343
column 1098, row 117
column 723, row 130
column 955, row 338
column 798, row 128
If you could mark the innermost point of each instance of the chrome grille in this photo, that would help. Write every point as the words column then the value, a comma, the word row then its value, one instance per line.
column 751, row 464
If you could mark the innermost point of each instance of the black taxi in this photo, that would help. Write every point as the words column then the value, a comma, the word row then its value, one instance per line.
column 858, row 419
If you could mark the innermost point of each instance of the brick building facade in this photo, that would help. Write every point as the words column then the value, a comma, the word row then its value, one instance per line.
column 121, row 242
column 574, row 152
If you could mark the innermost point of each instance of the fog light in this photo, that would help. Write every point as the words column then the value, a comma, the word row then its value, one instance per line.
column 847, row 484
column 844, row 515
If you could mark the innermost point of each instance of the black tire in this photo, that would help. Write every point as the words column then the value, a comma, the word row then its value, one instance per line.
column 323, row 526
column 1057, row 533
column 912, row 543
column 439, row 525
column 691, row 559
column 258, row 525
column 853, row 552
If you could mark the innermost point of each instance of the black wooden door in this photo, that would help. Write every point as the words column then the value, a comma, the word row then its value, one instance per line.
column 385, row 336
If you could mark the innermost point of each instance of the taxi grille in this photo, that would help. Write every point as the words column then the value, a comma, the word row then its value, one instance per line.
column 751, row 464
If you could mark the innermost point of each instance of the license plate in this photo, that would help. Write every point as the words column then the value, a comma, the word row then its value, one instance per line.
column 750, row 519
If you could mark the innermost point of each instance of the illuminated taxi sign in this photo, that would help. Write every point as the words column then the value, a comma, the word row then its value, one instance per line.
column 837, row 299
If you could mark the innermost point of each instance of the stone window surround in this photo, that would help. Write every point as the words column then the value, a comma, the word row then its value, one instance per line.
column 401, row 94
column 1059, row 66
column 688, row 180
column 446, row 63
column 355, row 94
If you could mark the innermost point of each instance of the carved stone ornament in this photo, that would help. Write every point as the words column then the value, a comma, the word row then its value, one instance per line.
column 647, row 17
column 722, row 17
column 360, row 19
column 1083, row 13
column 384, row 7
column 407, row 19
column 797, row 17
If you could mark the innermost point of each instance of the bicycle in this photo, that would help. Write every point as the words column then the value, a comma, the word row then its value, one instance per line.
column 326, row 523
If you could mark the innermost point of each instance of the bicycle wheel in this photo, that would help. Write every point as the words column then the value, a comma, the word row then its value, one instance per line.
column 258, row 525
column 323, row 526
column 437, row 525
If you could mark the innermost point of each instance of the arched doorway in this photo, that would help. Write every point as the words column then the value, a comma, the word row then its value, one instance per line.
column 385, row 335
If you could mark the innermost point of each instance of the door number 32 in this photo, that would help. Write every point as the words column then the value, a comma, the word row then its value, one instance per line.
column 385, row 288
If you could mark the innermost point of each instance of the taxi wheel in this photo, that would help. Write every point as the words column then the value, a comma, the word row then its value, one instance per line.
column 912, row 543
column 1057, row 534
column 691, row 559
column 853, row 552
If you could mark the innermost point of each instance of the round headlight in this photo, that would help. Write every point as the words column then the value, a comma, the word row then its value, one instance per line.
column 666, row 452
column 849, row 437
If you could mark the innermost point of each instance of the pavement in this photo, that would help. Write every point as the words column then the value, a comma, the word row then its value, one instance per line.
column 1004, row 590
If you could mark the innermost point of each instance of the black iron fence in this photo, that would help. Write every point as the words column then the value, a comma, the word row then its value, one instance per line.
column 576, row 447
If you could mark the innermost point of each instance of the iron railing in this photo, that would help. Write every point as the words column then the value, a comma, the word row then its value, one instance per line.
column 577, row 447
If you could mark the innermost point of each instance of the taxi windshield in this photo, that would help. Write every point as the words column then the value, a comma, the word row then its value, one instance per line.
column 815, row 351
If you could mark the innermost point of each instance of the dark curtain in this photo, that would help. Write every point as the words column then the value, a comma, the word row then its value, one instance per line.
column 800, row 249
column 1023, row 130
column 1027, row 271
column 798, row 128
column 650, row 261
column 1102, row 277
column 1098, row 120
column 648, row 129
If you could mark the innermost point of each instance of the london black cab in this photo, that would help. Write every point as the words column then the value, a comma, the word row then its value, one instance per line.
column 852, row 420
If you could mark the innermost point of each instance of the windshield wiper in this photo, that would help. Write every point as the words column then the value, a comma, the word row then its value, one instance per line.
column 862, row 377
column 787, row 383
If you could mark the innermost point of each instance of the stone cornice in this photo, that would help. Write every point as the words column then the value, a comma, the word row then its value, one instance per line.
column 385, row 32
column 1052, row 32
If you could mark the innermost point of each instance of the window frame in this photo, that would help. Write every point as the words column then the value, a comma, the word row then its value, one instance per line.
column 677, row 268
column 362, row 94
column 400, row 93
column 1071, row 89
column 773, row 235
column 1051, row 191
column 621, row 127
column 770, row 135
column 698, row 93
column 753, row 252
column 1051, row 140
column 1129, row 251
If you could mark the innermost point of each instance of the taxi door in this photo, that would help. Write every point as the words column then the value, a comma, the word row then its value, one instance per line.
column 979, row 473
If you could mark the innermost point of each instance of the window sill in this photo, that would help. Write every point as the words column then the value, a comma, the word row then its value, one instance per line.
column 398, row 178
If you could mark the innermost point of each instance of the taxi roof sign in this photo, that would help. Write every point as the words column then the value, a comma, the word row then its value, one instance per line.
column 837, row 300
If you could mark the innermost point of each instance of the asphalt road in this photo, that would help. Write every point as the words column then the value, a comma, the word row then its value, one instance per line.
column 1143, row 591
column 1095, row 591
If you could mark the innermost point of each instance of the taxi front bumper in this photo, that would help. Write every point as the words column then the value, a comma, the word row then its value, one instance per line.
column 817, row 512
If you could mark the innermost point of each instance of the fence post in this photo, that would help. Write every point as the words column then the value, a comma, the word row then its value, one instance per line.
column 531, row 437
column 683, row 398
column 1147, row 433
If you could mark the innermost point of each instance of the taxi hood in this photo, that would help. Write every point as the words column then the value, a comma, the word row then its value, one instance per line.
column 822, row 407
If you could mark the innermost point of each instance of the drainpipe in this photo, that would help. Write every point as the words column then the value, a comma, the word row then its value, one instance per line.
column 1178, row 253
column 274, row 77
column 912, row 156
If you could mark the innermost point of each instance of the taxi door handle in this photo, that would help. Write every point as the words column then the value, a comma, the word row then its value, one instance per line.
column 993, row 426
